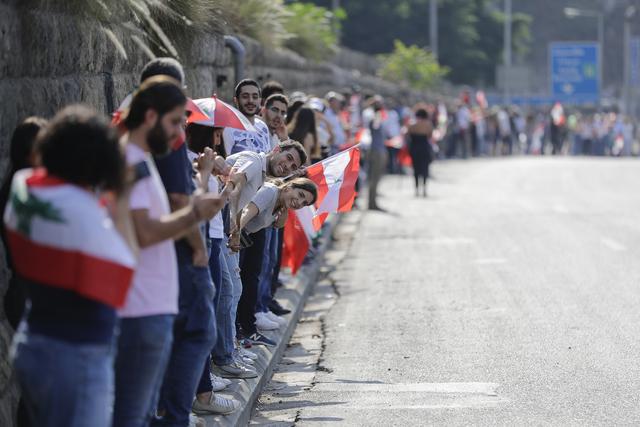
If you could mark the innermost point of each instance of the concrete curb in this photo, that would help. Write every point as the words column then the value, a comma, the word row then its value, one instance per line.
column 292, row 296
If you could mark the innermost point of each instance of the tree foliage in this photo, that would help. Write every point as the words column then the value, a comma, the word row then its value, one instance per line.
column 470, row 32
column 311, row 30
column 412, row 65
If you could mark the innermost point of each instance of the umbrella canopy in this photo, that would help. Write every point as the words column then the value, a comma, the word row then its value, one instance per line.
column 216, row 113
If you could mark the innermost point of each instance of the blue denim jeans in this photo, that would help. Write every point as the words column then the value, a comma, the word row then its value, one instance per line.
column 64, row 384
column 268, row 263
column 194, row 335
column 144, row 346
column 227, row 305
column 215, row 269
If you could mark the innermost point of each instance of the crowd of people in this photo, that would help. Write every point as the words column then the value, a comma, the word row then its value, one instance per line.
column 469, row 128
column 146, row 250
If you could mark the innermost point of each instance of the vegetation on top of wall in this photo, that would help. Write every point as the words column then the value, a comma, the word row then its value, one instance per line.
column 165, row 27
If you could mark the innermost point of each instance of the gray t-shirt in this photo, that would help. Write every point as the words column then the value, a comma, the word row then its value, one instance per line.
column 265, row 200
column 254, row 166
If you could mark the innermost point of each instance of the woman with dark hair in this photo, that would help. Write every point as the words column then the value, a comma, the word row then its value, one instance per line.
column 419, row 134
column 77, row 265
column 303, row 128
column 21, row 155
column 271, row 203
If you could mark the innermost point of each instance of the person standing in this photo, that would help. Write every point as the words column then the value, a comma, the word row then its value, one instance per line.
column 153, row 121
column 303, row 129
column 76, row 258
column 377, row 152
column 419, row 133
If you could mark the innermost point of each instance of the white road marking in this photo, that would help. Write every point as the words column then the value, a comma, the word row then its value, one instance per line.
column 412, row 396
column 486, row 261
column 613, row 245
column 451, row 241
column 487, row 389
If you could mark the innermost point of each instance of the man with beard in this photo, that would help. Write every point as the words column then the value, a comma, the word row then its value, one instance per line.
column 248, row 174
column 275, row 115
column 153, row 120
column 248, row 97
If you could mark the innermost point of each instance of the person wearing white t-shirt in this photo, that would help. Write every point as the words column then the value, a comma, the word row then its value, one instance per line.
column 248, row 174
column 248, row 98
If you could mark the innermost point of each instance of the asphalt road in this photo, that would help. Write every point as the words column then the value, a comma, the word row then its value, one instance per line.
column 510, row 296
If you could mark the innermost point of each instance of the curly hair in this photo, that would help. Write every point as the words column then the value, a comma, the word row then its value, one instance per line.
column 79, row 146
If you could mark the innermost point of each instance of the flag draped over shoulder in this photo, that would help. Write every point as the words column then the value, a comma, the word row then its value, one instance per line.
column 335, row 177
column 60, row 236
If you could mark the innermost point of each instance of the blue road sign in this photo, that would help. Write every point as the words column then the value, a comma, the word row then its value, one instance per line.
column 575, row 72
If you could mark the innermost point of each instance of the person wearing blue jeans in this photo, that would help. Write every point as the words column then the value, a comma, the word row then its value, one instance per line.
column 144, row 346
column 81, row 391
column 226, row 303
column 268, row 264
column 194, row 336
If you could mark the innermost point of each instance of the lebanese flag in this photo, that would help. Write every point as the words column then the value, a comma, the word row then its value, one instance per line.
column 336, row 179
column 298, row 232
column 59, row 235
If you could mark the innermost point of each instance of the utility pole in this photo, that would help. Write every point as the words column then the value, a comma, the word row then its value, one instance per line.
column 628, row 16
column 601, row 53
column 507, row 52
column 433, row 27
column 335, row 5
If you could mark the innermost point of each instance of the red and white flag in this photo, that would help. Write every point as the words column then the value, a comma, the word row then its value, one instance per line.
column 336, row 179
column 216, row 113
column 298, row 233
column 59, row 235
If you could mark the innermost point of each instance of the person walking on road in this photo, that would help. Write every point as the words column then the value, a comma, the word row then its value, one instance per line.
column 420, row 149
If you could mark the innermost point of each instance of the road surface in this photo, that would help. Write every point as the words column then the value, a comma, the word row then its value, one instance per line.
column 510, row 296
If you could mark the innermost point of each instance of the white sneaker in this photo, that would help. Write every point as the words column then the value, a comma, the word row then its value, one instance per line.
column 196, row 421
column 217, row 384
column 247, row 354
column 263, row 323
column 217, row 405
column 225, row 381
column 279, row 320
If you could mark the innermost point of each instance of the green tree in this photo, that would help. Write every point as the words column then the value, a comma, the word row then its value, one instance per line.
column 470, row 32
column 413, row 65
column 311, row 30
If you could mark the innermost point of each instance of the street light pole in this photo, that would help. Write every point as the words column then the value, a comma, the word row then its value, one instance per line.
column 572, row 12
column 507, row 51
column 335, row 5
column 600, row 52
column 433, row 27
column 626, row 96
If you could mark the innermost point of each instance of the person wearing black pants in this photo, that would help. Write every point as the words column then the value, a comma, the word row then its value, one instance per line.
column 250, row 268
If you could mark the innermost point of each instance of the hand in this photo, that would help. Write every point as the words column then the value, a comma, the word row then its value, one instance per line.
column 220, row 167
column 207, row 205
column 234, row 241
column 227, row 190
column 281, row 215
column 299, row 173
column 281, row 131
column 200, row 258
column 206, row 161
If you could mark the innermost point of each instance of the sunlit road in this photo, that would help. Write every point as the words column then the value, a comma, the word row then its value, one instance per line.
column 510, row 296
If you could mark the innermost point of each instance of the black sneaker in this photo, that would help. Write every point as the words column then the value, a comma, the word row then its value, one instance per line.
column 277, row 309
column 259, row 339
